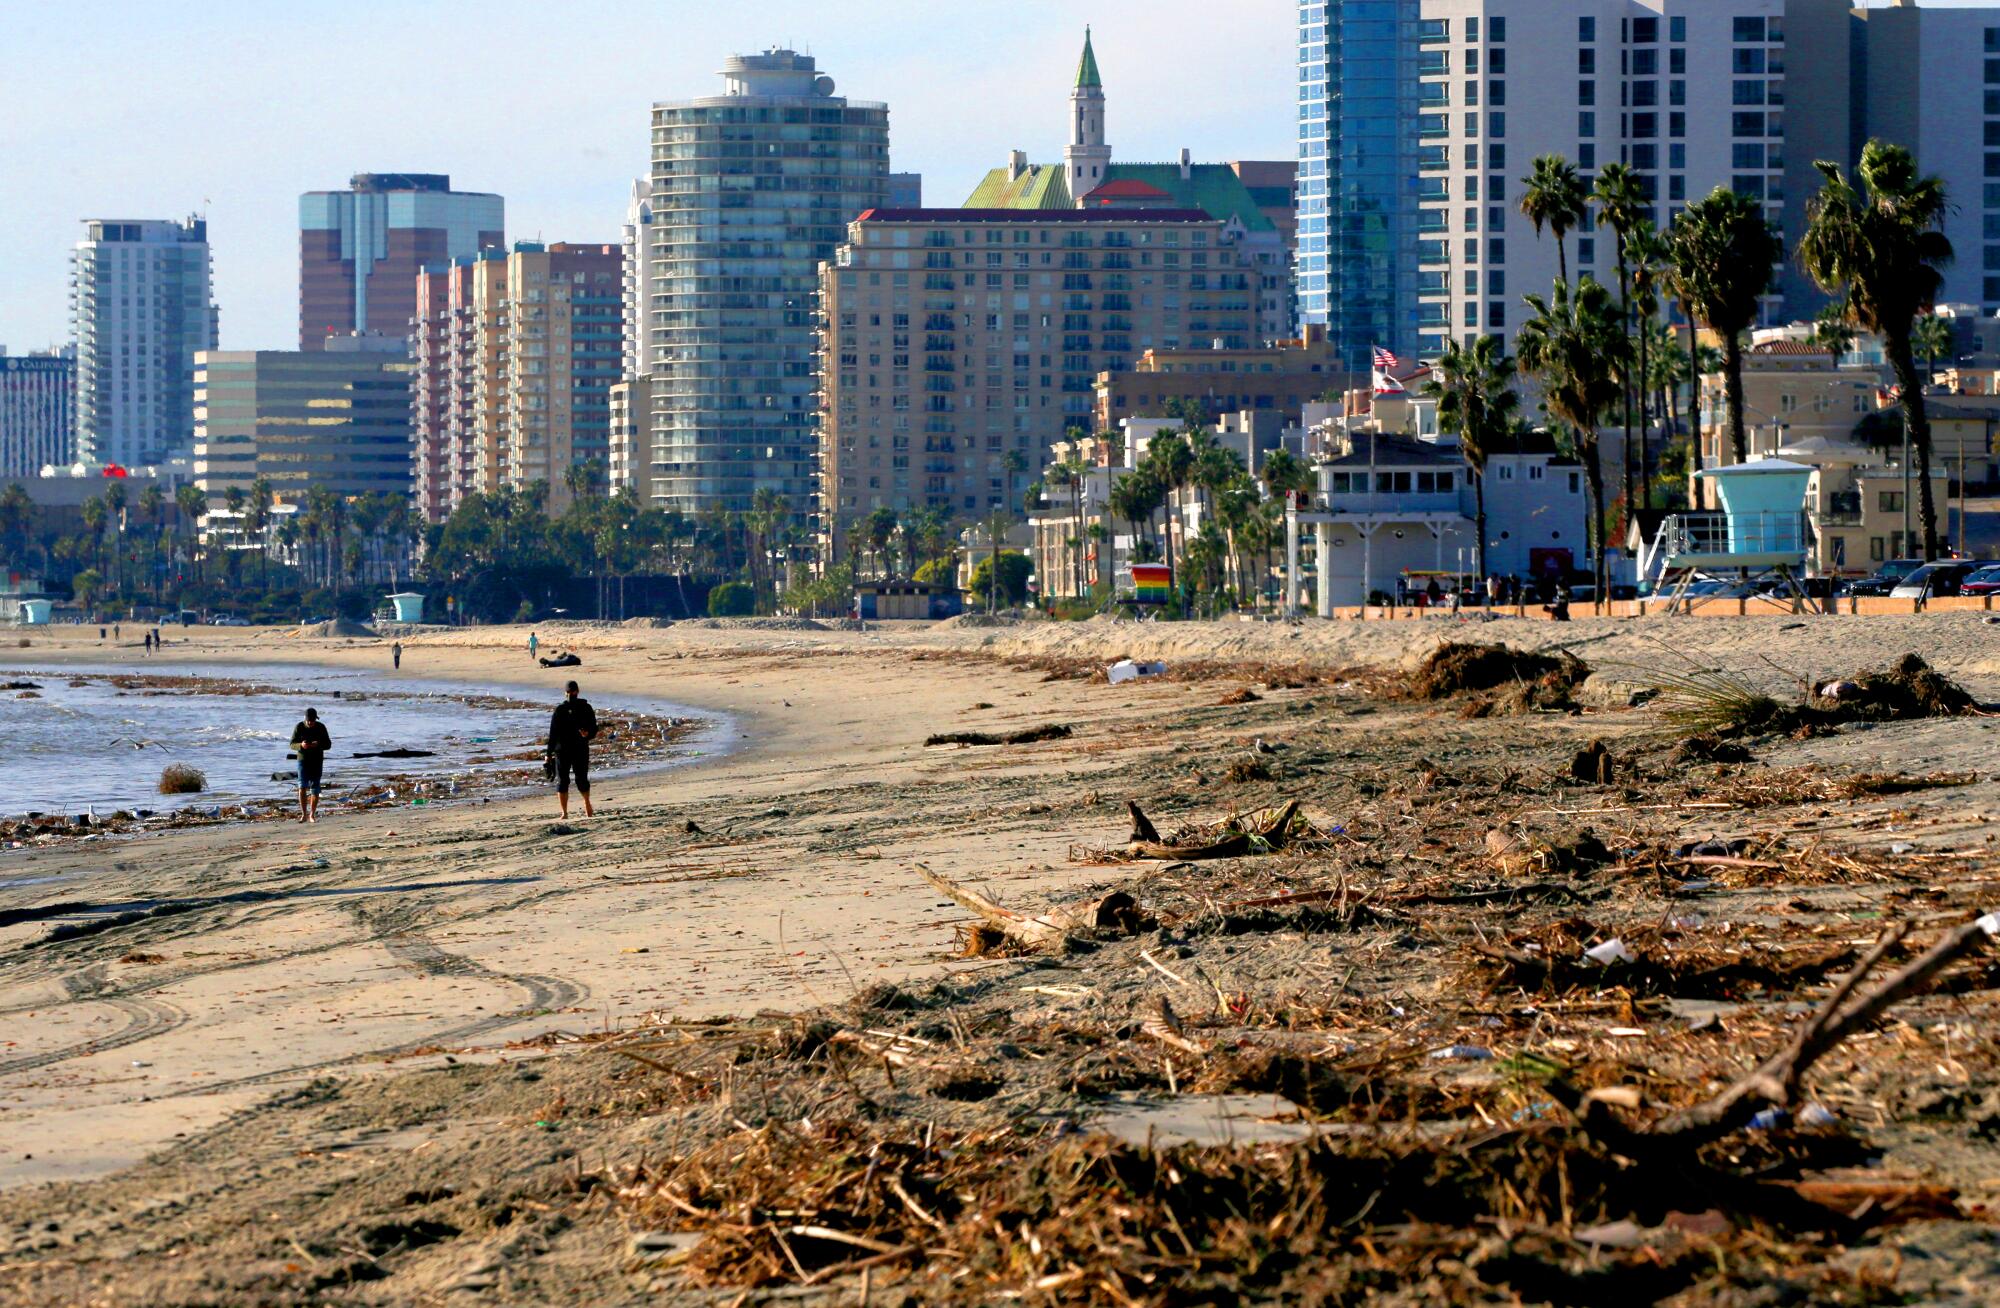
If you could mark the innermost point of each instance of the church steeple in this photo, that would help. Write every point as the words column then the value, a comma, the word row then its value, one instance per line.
column 1086, row 159
column 1086, row 72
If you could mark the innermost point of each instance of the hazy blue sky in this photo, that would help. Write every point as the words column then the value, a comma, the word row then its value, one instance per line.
column 233, row 107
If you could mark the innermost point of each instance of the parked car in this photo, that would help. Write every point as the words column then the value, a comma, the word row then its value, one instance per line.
column 1886, row 578
column 1984, row 581
column 230, row 620
column 1936, row 579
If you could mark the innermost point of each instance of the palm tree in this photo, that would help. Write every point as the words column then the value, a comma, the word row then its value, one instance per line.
column 1136, row 497
column 260, row 518
column 1554, row 199
column 192, row 502
column 1724, row 252
column 1569, row 347
column 1621, row 204
column 1832, row 331
column 1883, row 246
column 1475, row 397
column 1932, row 339
column 1649, row 255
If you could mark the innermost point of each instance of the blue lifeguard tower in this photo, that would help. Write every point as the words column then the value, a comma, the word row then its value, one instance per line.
column 1762, row 534
column 409, row 606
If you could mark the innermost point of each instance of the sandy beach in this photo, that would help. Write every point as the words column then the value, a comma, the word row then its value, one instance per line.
column 381, row 959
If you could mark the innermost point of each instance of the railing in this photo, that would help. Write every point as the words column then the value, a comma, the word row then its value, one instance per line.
column 1735, row 533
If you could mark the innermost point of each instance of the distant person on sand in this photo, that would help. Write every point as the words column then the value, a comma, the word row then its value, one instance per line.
column 311, row 742
column 571, row 729
column 534, row 644
column 396, row 654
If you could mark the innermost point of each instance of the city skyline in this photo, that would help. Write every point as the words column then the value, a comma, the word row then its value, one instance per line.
column 962, row 90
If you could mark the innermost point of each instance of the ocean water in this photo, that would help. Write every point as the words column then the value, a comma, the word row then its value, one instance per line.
column 83, row 742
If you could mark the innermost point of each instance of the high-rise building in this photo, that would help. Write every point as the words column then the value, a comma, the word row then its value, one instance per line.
column 1249, row 197
column 751, row 190
column 141, row 309
column 37, row 411
column 1419, row 118
column 337, row 419
column 517, row 353
column 360, row 249
column 637, row 239
column 958, row 345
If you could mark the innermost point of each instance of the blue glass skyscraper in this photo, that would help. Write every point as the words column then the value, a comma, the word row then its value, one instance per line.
column 1358, row 175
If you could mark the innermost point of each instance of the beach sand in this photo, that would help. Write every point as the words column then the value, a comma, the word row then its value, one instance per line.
column 777, row 875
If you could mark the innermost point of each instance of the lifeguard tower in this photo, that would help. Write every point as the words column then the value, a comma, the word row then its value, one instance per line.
column 1760, row 539
column 408, row 606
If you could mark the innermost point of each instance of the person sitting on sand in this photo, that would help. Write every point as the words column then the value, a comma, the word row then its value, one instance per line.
column 311, row 742
column 571, row 729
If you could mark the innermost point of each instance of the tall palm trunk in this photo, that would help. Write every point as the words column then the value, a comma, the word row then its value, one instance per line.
column 1625, row 381
column 1479, row 520
column 1593, row 484
column 1732, row 395
column 1645, row 424
column 1903, row 363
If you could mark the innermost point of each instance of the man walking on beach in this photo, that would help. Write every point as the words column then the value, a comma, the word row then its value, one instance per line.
column 571, row 729
column 396, row 654
column 534, row 644
column 311, row 742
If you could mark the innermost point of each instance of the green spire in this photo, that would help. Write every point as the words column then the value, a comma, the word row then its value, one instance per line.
column 1086, row 72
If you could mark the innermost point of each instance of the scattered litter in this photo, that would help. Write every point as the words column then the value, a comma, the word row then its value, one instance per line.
column 1462, row 1053
column 1126, row 670
column 1611, row 951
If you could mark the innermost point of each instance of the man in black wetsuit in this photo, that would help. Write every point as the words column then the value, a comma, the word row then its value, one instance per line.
column 571, row 729
column 310, row 742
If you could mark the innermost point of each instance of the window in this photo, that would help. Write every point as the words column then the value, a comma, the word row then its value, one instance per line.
column 1496, row 250
column 1586, row 61
column 1496, row 124
column 1572, row 487
column 1496, row 313
column 1677, row 187
column 1747, row 29
column 1496, row 155
column 1496, row 93
column 1677, row 125
column 1586, row 250
column 1744, row 62
column 1645, row 63
column 1645, row 31
column 1993, row 165
column 1472, row 61
column 1645, row 126
column 1748, row 93
column 1746, row 154
column 1506, row 471
column 1890, row 501
column 1645, row 94
column 1646, row 157
column 1677, row 62
column 1993, row 72
column 1586, row 30
column 1472, row 93
column 1993, row 102
column 1535, row 471
column 1586, row 92
column 1472, row 30
column 1496, row 282
column 1586, row 155
column 1746, row 124
column 1496, row 61
column 1499, row 32
column 1677, row 29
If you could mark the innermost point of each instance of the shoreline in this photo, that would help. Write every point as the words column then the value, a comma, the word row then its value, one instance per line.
column 501, row 773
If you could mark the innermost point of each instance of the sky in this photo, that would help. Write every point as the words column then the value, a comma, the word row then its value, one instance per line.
column 232, row 108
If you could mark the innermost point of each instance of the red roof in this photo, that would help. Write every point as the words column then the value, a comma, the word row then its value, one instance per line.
column 1785, row 345
column 1127, row 188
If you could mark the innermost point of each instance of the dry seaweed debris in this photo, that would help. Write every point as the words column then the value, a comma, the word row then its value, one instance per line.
column 1030, row 736
column 1497, row 680
column 1719, row 705
column 1235, row 837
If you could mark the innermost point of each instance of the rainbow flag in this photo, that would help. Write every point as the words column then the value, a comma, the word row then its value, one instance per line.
column 1152, row 583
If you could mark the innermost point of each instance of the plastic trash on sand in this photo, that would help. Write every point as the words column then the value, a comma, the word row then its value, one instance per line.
column 1126, row 670
column 1462, row 1053
column 1611, row 951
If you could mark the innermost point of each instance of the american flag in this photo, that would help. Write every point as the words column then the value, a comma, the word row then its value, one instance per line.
column 1386, row 360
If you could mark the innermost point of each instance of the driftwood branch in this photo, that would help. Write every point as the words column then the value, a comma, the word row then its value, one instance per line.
column 1272, row 836
column 1031, row 736
column 1052, row 930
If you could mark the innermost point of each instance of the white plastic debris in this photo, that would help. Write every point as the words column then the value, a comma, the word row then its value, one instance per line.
column 1126, row 670
column 1839, row 690
column 1611, row 951
column 1817, row 1115
column 1990, row 924
column 1462, row 1053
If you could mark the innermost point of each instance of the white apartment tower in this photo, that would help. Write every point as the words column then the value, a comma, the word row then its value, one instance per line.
column 141, row 309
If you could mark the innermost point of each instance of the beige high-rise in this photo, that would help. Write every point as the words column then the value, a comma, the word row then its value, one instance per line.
column 958, row 345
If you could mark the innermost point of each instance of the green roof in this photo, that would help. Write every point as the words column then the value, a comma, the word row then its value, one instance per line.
column 1040, row 186
column 1086, row 72
column 1215, row 189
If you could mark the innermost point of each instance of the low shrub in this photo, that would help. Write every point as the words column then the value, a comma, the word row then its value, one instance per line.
column 180, row 779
